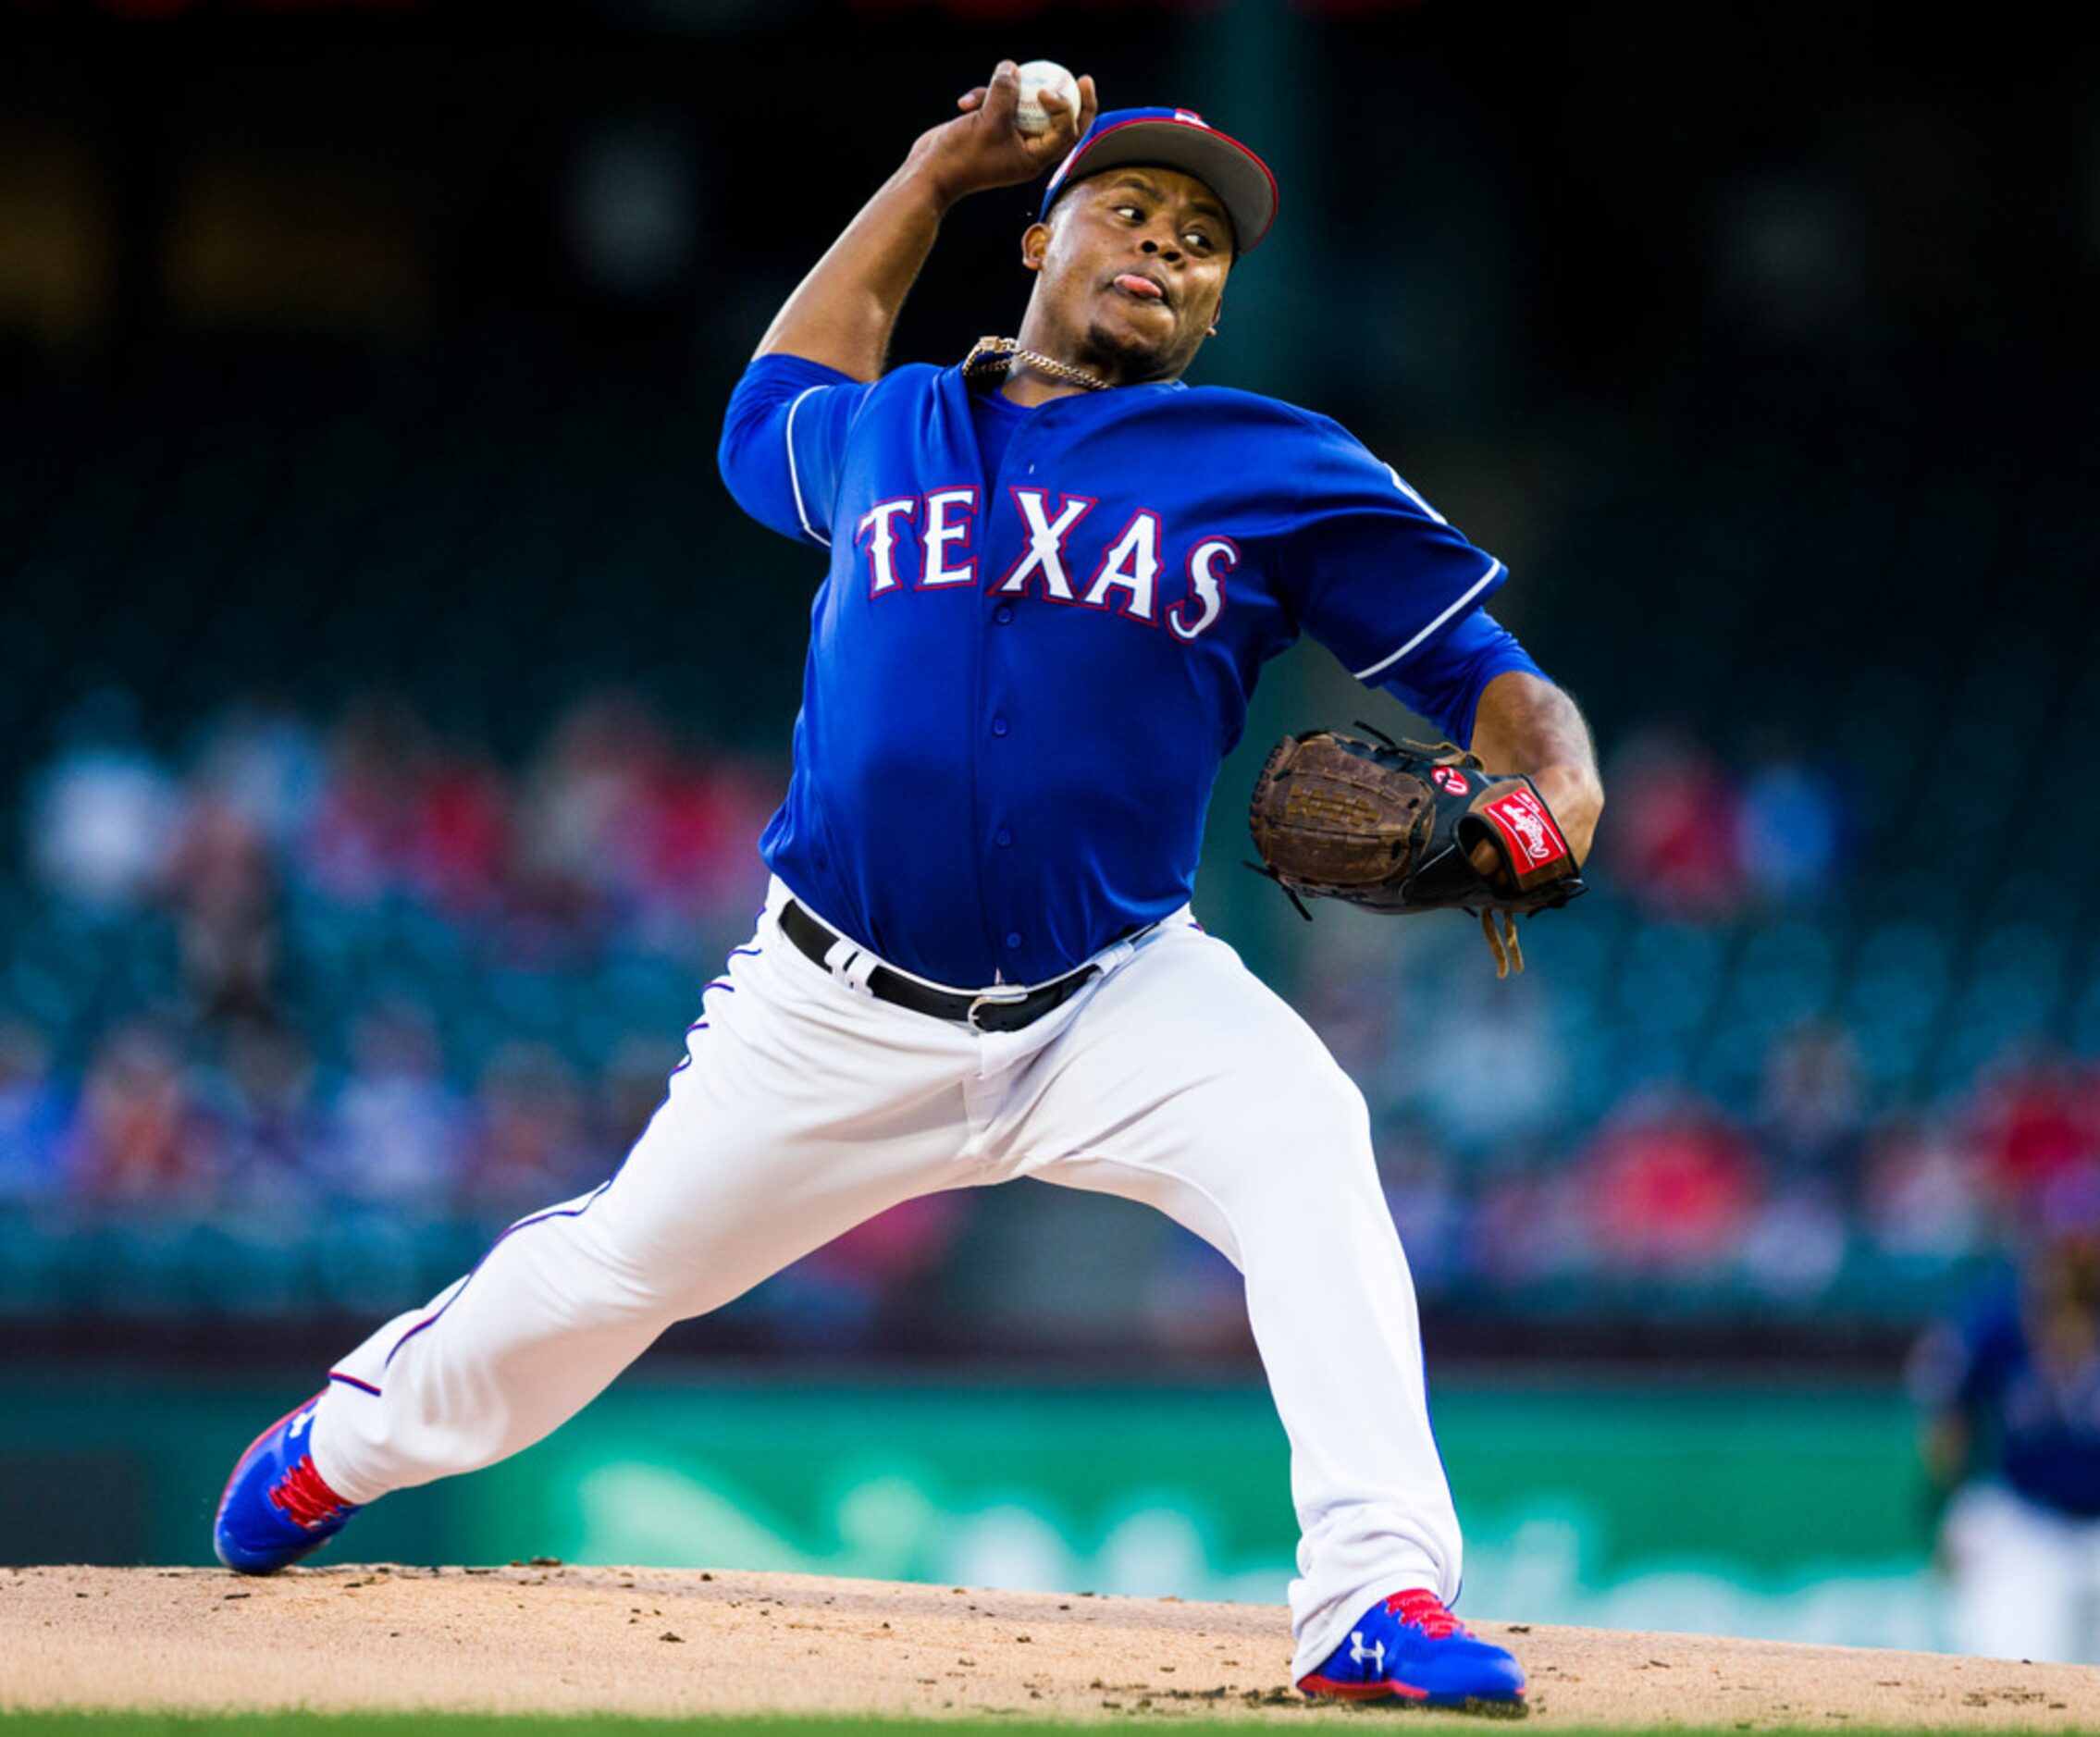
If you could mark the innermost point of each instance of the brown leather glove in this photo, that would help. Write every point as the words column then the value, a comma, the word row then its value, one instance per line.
column 1392, row 827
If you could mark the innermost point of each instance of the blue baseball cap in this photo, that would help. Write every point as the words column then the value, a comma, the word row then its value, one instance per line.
column 1176, row 138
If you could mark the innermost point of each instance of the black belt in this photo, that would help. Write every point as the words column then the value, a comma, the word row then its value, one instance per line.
column 988, row 1012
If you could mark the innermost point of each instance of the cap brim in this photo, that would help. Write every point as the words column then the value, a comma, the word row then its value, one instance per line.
column 1235, row 174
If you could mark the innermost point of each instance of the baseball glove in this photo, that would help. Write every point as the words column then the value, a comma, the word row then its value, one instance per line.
column 1391, row 826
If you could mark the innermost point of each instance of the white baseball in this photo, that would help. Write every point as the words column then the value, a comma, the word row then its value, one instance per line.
column 1039, row 79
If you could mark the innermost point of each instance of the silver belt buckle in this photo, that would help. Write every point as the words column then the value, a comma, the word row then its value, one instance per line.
column 994, row 1001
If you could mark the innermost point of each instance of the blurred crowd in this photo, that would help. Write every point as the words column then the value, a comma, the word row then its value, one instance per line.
column 360, row 962
column 1817, row 1195
column 357, row 965
column 1726, row 1081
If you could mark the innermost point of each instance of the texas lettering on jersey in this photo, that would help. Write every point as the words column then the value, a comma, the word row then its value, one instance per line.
column 927, row 543
column 1037, row 632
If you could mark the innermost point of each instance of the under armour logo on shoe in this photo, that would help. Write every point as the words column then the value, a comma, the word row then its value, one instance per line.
column 1358, row 1653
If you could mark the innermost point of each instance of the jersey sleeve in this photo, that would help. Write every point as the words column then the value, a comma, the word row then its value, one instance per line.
column 1377, row 575
column 1445, row 679
column 1958, row 1364
column 783, row 440
column 1941, row 1367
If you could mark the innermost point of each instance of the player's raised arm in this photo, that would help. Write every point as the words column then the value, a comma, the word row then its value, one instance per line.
column 843, row 313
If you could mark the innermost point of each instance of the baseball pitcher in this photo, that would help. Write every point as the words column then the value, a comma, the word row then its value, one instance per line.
column 1051, row 574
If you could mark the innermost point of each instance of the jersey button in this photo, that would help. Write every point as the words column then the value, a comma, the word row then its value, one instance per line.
column 1013, row 938
column 1003, row 614
column 1002, row 838
column 998, row 726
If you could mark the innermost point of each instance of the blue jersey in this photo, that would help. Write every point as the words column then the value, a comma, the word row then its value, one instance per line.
column 2036, row 1429
column 1038, row 630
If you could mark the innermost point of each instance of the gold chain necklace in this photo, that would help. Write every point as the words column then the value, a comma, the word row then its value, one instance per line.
column 997, row 355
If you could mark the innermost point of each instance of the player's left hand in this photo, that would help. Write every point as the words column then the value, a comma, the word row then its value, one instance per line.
column 983, row 147
column 1575, row 800
column 1383, row 826
column 1576, row 803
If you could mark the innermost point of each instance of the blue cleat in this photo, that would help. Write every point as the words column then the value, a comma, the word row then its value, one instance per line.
column 275, row 1508
column 1409, row 1647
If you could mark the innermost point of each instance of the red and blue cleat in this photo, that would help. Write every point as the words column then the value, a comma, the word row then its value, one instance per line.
column 275, row 1508
column 1410, row 1647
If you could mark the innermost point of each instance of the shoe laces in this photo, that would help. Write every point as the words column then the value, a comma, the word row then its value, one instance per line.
column 304, row 1497
column 1423, row 1611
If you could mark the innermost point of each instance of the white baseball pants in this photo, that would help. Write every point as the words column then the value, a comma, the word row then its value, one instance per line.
column 804, row 1105
column 2024, row 1580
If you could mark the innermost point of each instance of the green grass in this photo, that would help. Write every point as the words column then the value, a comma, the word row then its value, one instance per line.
column 92, row 1724
column 285, row 1724
column 97, row 1724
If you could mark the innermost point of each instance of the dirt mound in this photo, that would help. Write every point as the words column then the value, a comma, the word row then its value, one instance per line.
column 547, row 1638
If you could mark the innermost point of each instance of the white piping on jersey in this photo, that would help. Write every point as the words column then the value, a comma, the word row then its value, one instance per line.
column 794, row 476
column 1479, row 586
column 1400, row 483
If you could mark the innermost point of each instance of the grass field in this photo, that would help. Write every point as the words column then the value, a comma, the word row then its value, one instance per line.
column 484, row 1725
column 489, row 1725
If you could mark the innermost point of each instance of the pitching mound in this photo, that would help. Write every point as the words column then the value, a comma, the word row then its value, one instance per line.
column 548, row 1638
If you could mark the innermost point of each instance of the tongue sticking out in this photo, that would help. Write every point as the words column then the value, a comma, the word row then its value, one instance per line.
column 1141, row 288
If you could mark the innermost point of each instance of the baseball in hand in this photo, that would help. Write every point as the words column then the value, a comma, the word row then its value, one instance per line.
column 1041, row 78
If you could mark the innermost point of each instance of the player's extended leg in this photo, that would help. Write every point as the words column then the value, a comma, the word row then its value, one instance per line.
column 802, row 1109
column 1188, row 1084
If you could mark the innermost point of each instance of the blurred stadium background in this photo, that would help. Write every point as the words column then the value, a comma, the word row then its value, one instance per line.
column 390, row 698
